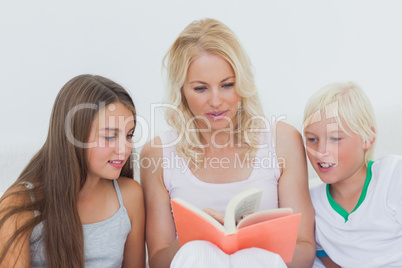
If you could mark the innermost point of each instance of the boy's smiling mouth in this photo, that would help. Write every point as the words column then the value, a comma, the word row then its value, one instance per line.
column 326, row 165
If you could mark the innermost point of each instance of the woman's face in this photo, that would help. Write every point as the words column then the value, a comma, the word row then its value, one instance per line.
column 110, row 141
column 209, row 89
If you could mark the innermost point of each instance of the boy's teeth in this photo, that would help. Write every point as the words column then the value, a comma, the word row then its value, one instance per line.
column 326, row 165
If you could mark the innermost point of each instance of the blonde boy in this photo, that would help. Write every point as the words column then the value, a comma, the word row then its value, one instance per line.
column 358, row 208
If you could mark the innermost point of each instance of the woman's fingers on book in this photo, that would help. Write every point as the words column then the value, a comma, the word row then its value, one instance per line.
column 219, row 216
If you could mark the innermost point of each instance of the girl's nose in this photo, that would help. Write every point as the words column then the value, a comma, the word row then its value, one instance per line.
column 121, row 146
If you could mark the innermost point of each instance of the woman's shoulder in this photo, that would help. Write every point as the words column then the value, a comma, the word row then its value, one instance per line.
column 283, row 128
column 166, row 140
column 286, row 136
column 152, row 149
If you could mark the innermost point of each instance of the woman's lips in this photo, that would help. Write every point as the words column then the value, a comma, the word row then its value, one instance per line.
column 217, row 115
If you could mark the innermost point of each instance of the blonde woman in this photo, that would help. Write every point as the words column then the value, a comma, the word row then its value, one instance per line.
column 220, row 144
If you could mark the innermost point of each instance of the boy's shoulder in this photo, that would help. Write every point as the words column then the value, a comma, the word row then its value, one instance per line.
column 389, row 160
column 386, row 176
column 387, row 166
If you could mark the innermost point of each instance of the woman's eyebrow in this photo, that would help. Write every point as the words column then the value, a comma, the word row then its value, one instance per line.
column 228, row 78
column 197, row 81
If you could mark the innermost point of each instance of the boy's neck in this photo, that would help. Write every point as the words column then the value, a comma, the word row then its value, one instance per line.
column 346, row 193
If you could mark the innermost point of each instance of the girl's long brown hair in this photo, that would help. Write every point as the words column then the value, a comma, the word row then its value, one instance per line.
column 59, row 170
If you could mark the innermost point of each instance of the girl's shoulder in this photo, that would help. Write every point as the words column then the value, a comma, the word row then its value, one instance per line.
column 14, row 211
column 17, row 195
column 130, row 189
column 133, row 200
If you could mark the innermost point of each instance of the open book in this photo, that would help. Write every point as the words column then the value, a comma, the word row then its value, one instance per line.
column 244, row 226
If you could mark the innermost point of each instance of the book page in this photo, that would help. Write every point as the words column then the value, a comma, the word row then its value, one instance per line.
column 245, row 202
column 192, row 213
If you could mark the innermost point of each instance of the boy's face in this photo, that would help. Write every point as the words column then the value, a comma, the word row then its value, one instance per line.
column 335, row 155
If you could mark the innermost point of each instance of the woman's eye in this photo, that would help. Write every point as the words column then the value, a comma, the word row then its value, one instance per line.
column 228, row 85
column 130, row 136
column 335, row 139
column 200, row 89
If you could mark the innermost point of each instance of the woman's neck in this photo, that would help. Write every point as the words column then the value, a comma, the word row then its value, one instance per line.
column 219, row 139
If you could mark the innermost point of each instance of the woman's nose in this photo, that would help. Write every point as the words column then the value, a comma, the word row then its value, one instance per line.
column 215, row 98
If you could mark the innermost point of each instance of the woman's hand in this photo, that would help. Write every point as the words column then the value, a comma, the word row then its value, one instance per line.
column 217, row 215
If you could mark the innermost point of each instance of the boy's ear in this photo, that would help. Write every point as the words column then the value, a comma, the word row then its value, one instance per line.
column 368, row 144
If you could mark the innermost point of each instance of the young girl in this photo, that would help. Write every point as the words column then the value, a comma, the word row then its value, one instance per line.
column 76, row 204
column 358, row 208
column 220, row 145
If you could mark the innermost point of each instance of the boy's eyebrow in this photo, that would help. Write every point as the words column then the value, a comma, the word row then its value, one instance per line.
column 332, row 131
column 308, row 132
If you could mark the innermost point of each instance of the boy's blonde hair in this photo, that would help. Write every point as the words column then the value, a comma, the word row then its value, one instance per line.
column 347, row 101
column 211, row 36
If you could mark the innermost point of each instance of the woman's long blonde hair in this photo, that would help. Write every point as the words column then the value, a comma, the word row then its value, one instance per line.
column 211, row 36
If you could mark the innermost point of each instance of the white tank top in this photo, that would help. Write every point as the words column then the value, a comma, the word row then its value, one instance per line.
column 181, row 182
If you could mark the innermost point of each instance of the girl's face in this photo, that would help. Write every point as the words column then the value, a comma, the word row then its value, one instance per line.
column 110, row 141
column 335, row 155
column 210, row 92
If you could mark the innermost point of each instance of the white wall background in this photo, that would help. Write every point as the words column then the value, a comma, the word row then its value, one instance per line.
column 296, row 46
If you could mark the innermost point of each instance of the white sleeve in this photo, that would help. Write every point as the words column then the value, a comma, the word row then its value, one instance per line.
column 320, row 252
column 391, row 171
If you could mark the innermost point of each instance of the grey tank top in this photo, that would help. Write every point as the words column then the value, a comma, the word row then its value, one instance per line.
column 103, row 241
